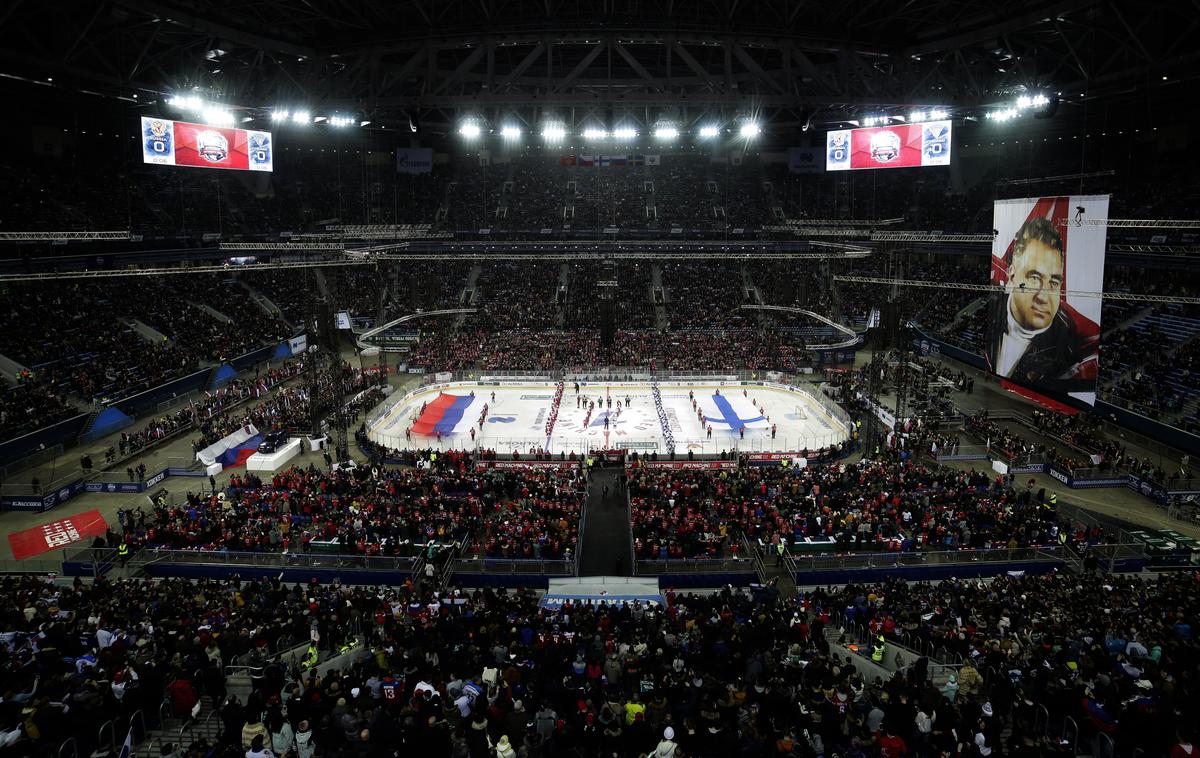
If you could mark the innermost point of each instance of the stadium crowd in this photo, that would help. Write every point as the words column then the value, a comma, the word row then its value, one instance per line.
column 490, row 673
column 886, row 505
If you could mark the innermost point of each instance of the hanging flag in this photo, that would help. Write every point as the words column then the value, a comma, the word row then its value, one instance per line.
column 653, row 160
column 127, row 748
column 567, row 160
column 586, row 161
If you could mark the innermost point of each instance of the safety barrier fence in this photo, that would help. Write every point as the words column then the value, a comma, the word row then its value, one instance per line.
column 515, row 566
column 899, row 560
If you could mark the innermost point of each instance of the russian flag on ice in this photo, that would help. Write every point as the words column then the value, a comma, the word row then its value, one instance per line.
column 232, row 450
column 443, row 414
column 236, row 456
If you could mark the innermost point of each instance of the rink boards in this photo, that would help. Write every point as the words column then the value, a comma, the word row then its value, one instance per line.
column 747, row 416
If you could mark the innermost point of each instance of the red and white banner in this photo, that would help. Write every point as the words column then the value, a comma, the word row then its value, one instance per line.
column 180, row 143
column 713, row 465
column 901, row 146
column 56, row 534
column 526, row 464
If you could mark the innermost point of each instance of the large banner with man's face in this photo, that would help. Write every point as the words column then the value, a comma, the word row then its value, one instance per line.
column 1044, row 327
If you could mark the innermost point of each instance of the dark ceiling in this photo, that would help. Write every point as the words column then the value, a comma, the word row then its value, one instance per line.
column 434, row 61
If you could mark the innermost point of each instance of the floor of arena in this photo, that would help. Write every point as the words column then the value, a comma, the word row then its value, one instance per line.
column 701, row 418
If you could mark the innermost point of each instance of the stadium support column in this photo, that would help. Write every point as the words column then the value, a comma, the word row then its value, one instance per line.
column 874, row 430
column 606, row 291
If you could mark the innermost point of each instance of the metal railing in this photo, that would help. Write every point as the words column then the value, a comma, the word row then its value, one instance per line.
column 277, row 560
column 660, row 566
column 514, row 566
column 29, row 487
column 901, row 560
column 51, row 453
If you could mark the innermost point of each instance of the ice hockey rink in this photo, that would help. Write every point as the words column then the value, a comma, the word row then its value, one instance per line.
column 697, row 416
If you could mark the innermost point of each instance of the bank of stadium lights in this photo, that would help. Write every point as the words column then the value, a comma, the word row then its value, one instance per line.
column 554, row 132
column 511, row 133
column 594, row 134
column 709, row 132
column 470, row 130
column 917, row 117
column 216, row 117
column 750, row 129
column 666, row 133
column 625, row 133
column 186, row 102
column 1022, row 103
column 341, row 121
column 300, row 117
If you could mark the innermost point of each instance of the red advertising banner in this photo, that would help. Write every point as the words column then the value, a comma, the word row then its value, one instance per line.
column 712, row 465
column 899, row 146
column 526, row 464
column 56, row 534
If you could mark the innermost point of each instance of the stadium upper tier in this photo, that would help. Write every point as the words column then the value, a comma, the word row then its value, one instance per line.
column 103, row 189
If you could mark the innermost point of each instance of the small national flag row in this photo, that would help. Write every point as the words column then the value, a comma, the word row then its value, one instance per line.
column 609, row 161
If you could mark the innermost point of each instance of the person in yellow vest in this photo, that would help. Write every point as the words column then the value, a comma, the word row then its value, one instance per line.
column 780, row 549
column 878, row 649
column 123, row 552
column 311, row 658
column 633, row 709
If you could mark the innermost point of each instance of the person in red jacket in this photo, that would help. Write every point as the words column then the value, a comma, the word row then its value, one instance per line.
column 1183, row 747
column 891, row 746
column 183, row 696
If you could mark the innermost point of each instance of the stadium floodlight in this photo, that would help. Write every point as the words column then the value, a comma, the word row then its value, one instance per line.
column 594, row 134
column 217, row 117
column 470, row 130
column 750, row 129
column 708, row 132
column 187, row 102
column 625, row 133
column 340, row 121
column 280, row 115
column 511, row 132
column 666, row 133
column 300, row 117
column 554, row 133
column 938, row 115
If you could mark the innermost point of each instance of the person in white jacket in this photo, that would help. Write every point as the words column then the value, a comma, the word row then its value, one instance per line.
column 667, row 746
column 924, row 723
column 305, row 747
column 283, row 739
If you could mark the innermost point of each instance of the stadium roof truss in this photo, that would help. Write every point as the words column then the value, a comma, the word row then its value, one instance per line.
column 433, row 61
